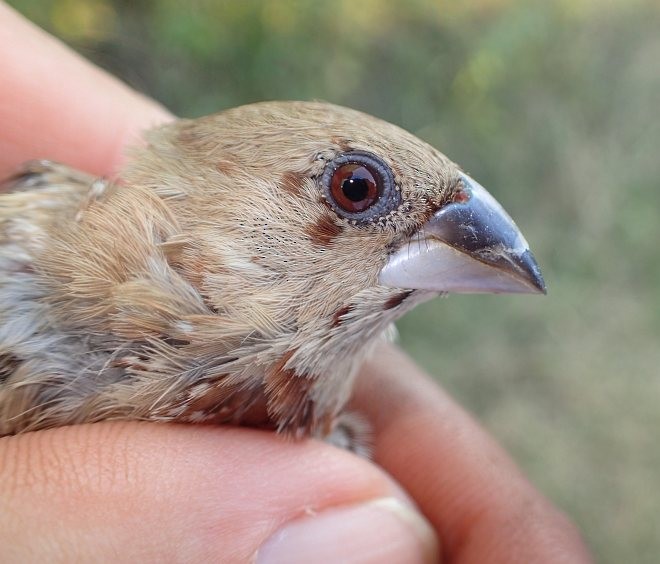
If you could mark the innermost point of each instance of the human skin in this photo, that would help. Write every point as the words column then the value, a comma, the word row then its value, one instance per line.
column 147, row 492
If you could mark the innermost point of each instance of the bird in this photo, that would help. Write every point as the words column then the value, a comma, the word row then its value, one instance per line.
column 238, row 269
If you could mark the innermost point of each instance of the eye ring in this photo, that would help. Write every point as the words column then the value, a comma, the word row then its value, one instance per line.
column 359, row 186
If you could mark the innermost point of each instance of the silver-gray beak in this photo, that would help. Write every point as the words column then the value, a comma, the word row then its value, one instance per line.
column 468, row 246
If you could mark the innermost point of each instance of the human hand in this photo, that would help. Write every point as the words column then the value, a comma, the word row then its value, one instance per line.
column 171, row 492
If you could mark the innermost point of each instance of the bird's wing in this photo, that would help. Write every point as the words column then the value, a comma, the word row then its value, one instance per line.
column 41, row 194
column 38, row 197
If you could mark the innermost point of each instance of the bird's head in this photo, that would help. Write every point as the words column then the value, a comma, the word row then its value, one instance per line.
column 307, row 214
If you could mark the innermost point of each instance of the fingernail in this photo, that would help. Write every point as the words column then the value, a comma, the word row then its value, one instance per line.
column 382, row 530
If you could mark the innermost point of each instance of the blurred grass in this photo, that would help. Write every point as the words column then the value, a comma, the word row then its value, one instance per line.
column 554, row 107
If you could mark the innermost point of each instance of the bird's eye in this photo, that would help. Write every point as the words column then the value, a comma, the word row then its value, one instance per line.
column 360, row 186
column 355, row 187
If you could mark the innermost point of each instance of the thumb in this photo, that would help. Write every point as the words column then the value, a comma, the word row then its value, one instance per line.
column 156, row 492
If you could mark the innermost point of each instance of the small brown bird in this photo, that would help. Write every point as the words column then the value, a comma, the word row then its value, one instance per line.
column 239, row 269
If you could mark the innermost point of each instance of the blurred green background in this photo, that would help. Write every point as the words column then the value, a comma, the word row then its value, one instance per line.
column 554, row 106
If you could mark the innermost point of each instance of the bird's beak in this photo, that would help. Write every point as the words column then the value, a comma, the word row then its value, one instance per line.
column 469, row 246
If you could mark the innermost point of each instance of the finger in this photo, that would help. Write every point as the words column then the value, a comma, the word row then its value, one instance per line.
column 56, row 105
column 153, row 492
column 473, row 494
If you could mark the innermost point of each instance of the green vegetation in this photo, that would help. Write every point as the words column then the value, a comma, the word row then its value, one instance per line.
column 553, row 106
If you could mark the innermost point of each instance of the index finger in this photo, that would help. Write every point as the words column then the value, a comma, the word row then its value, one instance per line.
column 474, row 495
column 56, row 105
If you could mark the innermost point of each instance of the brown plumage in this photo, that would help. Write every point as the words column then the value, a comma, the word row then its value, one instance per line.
column 218, row 277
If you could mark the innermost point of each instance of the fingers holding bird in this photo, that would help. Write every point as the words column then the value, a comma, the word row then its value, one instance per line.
column 127, row 491
column 147, row 474
column 478, row 501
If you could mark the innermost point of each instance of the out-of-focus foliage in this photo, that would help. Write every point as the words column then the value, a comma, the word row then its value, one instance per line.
column 554, row 106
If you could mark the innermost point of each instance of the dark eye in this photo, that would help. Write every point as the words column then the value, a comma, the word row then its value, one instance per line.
column 360, row 186
column 355, row 187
